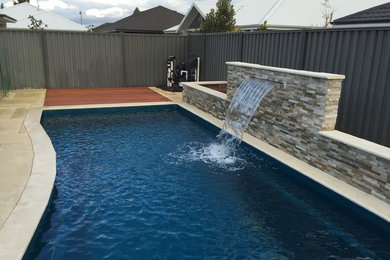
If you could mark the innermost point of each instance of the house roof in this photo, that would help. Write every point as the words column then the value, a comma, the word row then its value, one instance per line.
column 376, row 14
column 103, row 27
column 154, row 20
column 278, row 13
column 21, row 12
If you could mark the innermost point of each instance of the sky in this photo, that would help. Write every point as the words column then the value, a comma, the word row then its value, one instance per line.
column 97, row 12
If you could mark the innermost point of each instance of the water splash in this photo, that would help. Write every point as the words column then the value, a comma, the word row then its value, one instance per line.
column 222, row 153
column 216, row 155
column 244, row 105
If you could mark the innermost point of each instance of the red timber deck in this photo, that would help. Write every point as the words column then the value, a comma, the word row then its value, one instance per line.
column 63, row 97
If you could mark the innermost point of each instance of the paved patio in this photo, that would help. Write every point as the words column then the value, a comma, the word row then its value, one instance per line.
column 16, row 153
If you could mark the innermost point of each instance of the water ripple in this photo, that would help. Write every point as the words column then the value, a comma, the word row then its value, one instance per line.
column 142, row 185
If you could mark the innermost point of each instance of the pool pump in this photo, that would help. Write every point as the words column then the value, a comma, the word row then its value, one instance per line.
column 182, row 72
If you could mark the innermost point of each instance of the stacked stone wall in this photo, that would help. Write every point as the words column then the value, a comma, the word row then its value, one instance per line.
column 292, row 118
column 212, row 104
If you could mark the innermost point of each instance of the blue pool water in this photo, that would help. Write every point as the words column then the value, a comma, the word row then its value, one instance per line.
column 136, row 184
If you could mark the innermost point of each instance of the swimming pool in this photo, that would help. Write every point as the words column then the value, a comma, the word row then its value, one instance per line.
column 129, row 186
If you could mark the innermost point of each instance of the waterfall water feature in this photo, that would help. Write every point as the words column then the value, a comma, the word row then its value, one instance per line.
column 243, row 106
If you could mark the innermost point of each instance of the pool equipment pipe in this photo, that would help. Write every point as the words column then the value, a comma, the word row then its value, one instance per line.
column 170, row 64
column 182, row 72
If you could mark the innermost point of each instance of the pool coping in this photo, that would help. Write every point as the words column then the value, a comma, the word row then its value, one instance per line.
column 18, row 229
column 17, row 232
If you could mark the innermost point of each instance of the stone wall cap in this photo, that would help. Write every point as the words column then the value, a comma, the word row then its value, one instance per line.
column 359, row 143
column 198, row 86
column 202, row 83
column 211, row 82
column 312, row 74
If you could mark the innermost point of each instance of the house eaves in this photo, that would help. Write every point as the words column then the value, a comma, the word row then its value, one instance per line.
column 361, row 25
column 7, row 19
column 184, row 19
column 140, row 31
column 201, row 8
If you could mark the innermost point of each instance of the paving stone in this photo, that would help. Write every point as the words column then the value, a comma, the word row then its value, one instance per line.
column 16, row 153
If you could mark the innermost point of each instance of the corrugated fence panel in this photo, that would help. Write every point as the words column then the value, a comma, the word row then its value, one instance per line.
column 146, row 57
column 220, row 48
column 196, row 49
column 271, row 48
column 84, row 60
column 363, row 56
column 22, row 51
column 378, row 127
column 47, row 59
column 54, row 59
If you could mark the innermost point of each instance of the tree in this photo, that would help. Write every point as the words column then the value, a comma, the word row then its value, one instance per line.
column 221, row 20
column 21, row 1
column 225, row 16
column 327, row 13
column 209, row 25
column 262, row 26
column 136, row 10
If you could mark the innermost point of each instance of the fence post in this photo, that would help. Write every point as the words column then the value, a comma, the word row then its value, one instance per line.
column 124, row 60
column 188, row 52
column 45, row 59
column 203, row 68
column 301, row 65
column 242, row 46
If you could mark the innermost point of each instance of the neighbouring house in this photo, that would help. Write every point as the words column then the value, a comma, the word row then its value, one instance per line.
column 377, row 16
column 153, row 21
column 4, row 19
column 50, row 21
column 279, row 14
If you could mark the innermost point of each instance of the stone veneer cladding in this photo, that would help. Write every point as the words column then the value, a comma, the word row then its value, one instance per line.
column 291, row 117
column 206, row 102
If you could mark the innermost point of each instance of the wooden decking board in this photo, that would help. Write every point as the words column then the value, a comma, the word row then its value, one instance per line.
column 61, row 97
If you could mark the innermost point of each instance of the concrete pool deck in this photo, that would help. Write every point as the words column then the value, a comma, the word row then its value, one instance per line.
column 16, row 153
column 25, row 154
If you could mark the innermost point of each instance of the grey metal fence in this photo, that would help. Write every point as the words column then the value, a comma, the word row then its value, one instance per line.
column 364, row 57
column 273, row 48
column 4, row 75
column 44, row 59
column 48, row 59
column 23, row 51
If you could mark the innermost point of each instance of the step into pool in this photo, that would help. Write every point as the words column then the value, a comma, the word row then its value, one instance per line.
column 147, row 183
